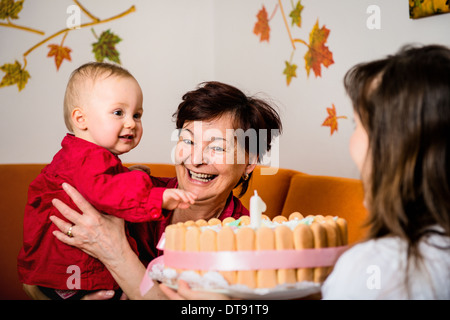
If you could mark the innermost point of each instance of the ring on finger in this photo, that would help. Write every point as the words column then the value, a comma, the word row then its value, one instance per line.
column 69, row 232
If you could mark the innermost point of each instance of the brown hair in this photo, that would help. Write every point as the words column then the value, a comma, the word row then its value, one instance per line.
column 88, row 71
column 213, row 99
column 403, row 102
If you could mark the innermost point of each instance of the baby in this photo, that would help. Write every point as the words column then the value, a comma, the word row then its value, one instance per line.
column 103, row 110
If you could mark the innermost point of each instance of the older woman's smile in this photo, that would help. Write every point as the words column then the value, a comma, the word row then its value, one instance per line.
column 202, row 177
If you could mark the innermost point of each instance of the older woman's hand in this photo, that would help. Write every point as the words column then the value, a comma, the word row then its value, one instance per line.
column 97, row 234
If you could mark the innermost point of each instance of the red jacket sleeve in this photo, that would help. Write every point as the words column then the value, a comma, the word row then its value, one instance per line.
column 113, row 189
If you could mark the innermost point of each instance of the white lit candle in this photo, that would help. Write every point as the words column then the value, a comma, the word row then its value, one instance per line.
column 257, row 206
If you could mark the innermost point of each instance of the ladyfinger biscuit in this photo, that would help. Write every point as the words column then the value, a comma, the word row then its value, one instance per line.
column 279, row 219
column 192, row 238
column 342, row 224
column 265, row 240
column 226, row 242
column 201, row 222
column 245, row 220
column 227, row 220
column 187, row 223
column 245, row 241
column 295, row 215
column 214, row 221
column 175, row 239
column 333, row 236
column 178, row 236
column 169, row 235
column 284, row 240
column 304, row 239
column 207, row 242
column 319, row 218
column 320, row 241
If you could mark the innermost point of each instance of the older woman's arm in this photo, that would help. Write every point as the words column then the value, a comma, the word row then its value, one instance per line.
column 103, row 237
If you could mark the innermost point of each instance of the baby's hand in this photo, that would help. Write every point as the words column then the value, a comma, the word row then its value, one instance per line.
column 177, row 199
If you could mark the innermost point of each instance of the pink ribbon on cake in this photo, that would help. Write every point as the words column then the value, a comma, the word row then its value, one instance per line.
column 252, row 260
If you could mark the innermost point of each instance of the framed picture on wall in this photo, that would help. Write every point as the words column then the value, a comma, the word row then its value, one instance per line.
column 425, row 8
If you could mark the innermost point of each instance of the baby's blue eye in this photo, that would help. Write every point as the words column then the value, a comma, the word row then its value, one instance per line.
column 188, row 141
column 137, row 116
column 118, row 113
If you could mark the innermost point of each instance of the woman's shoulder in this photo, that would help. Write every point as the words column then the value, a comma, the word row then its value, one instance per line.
column 377, row 268
column 358, row 272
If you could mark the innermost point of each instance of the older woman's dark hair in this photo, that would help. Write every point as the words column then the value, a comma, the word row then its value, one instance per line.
column 213, row 99
column 403, row 102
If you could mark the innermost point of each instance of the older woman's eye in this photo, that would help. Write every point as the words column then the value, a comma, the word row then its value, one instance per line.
column 188, row 141
column 218, row 149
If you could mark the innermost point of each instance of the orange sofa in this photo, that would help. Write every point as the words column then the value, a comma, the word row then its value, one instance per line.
column 285, row 192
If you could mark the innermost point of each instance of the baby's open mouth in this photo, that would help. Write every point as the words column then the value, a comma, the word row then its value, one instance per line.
column 203, row 177
column 128, row 137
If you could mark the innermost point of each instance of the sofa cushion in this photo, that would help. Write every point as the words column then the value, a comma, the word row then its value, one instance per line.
column 343, row 197
column 15, row 179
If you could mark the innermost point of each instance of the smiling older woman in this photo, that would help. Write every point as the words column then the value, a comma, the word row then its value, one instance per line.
column 212, row 158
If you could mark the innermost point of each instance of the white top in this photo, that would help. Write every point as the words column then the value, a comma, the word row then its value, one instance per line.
column 376, row 270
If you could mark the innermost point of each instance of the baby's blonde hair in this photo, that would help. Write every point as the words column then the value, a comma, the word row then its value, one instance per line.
column 90, row 71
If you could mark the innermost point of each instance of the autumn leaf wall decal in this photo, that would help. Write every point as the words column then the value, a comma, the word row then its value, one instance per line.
column 59, row 52
column 104, row 48
column 14, row 74
column 290, row 72
column 261, row 27
column 424, row 8
column 332, row 120
column 318, row 53
column 296, row 15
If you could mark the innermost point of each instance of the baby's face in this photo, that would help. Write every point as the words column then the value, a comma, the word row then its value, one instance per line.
column 113, row 113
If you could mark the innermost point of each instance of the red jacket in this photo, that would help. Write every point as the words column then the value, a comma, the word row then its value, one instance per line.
column 109, row 186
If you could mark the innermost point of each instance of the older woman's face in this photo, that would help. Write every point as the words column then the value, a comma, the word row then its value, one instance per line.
column 209, row 160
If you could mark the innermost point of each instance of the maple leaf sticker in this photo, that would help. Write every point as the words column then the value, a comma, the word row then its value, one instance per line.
column 296, row 15
column 14, row 74
column 261, row 27
column 10, row 9
column 105, row 47
column 60, row 53
column 290, row 72
column 332, row 120
column 318, row 52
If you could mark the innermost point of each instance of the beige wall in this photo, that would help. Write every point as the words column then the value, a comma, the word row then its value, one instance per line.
column 171, row 46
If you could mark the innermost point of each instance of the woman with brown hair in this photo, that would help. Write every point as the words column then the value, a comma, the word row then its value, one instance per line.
column 401, row 145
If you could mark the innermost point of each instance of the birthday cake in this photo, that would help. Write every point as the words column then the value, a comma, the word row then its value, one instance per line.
column 252, row 257
column 279, row 251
